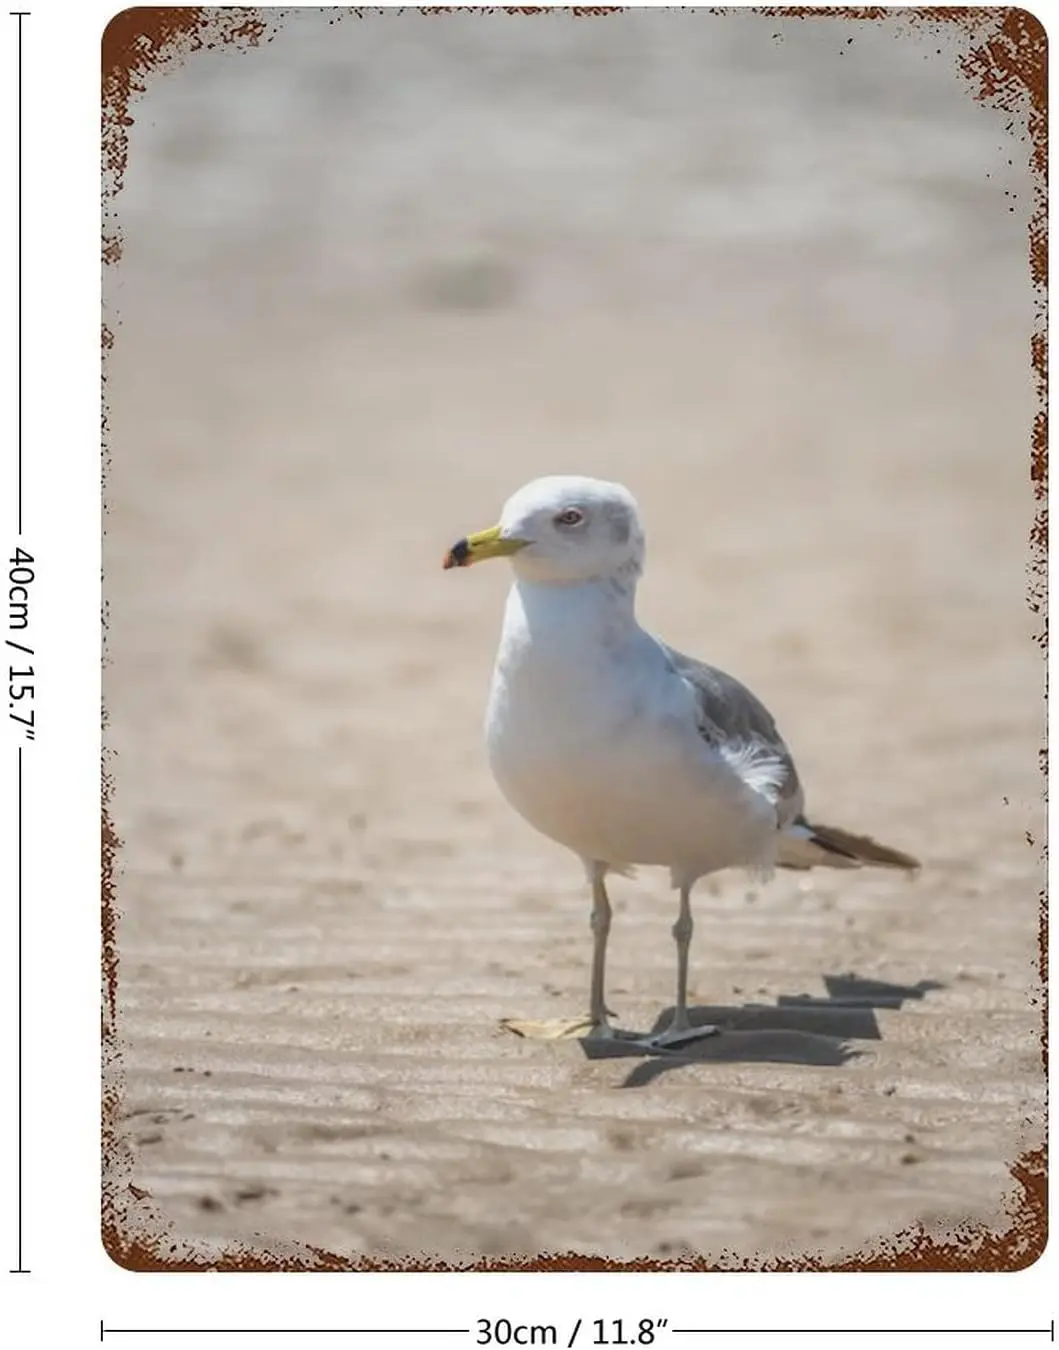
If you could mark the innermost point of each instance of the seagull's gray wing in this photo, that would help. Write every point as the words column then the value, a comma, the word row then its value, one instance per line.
column 740, row 727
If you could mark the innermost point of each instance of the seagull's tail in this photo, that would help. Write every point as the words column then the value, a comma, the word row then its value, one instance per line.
column 803, row 845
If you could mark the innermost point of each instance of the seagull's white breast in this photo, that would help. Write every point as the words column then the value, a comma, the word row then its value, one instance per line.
column 592, row 738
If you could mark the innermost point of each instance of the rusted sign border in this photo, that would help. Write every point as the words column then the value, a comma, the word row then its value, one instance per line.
column 1007, row 68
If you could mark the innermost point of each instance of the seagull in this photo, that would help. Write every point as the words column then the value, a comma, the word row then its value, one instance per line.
column 619, row 747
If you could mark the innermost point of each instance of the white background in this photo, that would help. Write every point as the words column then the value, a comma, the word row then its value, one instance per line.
column 73, row 1284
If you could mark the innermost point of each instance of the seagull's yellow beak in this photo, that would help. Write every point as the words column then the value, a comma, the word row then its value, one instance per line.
column 478, row 547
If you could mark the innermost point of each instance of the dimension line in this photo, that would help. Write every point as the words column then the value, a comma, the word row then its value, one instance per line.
column 866, row 1331
column 18, row 15
column 19, row 1269
column 282, row 1331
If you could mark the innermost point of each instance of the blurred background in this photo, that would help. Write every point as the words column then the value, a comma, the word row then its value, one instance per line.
column 376, row 273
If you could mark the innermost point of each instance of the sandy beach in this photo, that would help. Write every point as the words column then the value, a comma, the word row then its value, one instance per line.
column 773, row 284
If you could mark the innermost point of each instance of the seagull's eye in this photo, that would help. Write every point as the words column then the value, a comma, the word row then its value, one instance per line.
column 571, row 516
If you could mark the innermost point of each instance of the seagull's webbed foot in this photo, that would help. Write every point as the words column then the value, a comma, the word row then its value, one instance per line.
column 601, row 1030
column 553, row 1028
column 679, row 1032
column 585, row 1028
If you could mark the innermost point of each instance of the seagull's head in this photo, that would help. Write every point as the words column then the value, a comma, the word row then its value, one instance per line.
column 562, row 529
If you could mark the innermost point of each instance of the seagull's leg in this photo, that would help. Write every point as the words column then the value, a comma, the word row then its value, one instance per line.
column 680, row 1029
column 682, row 931
column 597, row 1007
column 597, row 1023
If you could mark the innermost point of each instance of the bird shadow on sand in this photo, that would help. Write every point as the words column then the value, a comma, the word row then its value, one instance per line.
column 796, row 1029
